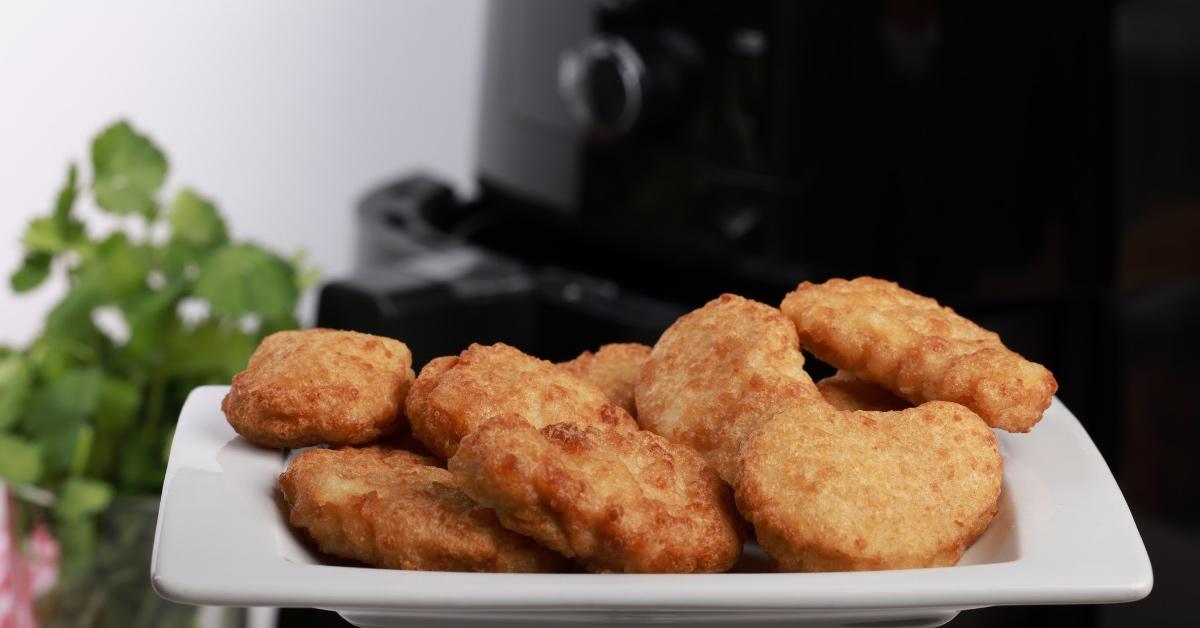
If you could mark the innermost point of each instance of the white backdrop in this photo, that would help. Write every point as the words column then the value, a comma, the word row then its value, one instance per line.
column 284, row 112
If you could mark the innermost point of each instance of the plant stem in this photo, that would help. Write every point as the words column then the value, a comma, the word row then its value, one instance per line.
column 154, row 398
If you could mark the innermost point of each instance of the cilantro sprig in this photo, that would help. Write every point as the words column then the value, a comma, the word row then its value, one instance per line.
column 88, row 409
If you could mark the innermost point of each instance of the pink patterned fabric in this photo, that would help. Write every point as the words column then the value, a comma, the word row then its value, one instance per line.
column 25, row 572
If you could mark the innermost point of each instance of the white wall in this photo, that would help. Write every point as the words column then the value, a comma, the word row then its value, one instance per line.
column 283, row 111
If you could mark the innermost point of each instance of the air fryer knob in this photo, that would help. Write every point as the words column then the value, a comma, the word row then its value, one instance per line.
column 611, row 85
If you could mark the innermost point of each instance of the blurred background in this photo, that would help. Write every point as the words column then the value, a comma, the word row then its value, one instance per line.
column 559, row 174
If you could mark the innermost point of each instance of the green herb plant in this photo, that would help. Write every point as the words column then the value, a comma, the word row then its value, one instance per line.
column 88, row 409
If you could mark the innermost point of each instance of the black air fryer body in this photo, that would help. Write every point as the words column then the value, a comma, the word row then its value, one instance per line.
column 639, row 158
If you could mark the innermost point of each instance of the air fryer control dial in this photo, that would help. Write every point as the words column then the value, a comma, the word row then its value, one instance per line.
column 603, row 81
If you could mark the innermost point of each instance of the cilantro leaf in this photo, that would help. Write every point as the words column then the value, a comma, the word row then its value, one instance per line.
column 245, row 279
column 194, row 221
column 58, row 231
column 20, row 460
column 52, row 355
column 81, row 497
column 68, row 399
column 118, row 404
column 210, row 352
column 151, row 316
column 81, row 449
column 47, row 235
column 16, row 379
column 58, row 448
column 128, row 169
column 115, row 270
column 119, row 268
column 66, row 196
column 57, row 412
column 306, row 274
column 33, row 271
column 71, row 318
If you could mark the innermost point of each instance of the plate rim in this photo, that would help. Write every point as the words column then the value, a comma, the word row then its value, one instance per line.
column 201, row 559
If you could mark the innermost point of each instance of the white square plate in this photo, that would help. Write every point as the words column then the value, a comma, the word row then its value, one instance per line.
column 1064, row 535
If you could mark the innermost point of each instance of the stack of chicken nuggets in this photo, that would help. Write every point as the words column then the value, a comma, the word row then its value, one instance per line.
column 637, row 459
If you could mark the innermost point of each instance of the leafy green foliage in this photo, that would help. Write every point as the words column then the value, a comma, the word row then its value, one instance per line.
column 65, row 201
column 57, row 413
column 47, row 235
column 128, row 171
column 56, row 233
column 20, row 460
column 118, row 268
column 208, row 348
column 33, row 271
column 15, row 382
column 86, row 415
column 244, row 279
column 81, row 497
column 151, row 317
column 195, row 222
column 116, row 409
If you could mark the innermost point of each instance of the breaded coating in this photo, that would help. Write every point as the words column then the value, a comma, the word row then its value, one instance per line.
column 317, row 386
column 453, row 395
column 392, row 508
column 613, row 368
column 619, row 500
column 919, row 350
column 829, row 490
column 847, row 392
column 717, row 373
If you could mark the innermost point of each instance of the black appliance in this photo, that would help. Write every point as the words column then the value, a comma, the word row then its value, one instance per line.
column 637, row 158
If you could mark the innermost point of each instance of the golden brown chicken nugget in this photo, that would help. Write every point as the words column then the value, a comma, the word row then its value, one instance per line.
column 717, row 373
column 847, row 392
column 453, row 395
column 317, row 386
column 620, row 500
column 919, row 350
column 392, row 508
column 613, row 368
column 829, row 490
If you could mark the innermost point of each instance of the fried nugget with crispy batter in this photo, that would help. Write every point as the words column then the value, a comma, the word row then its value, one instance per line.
column 620, row 500
column 391, row 508
column 829, row 490
column 717, row 373
column 847, row 392
column 453, row 395
column 613, row 368
column 919, row 350
column 317, row 386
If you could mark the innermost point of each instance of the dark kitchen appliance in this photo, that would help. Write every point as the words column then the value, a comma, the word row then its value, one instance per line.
column 652, row 155
column 637, row 158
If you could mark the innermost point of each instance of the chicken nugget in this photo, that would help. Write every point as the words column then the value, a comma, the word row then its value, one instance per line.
column 391, row 508
column 613, row 368
column 717, row 373
column 847, row 392
column 829, row 490
column 317, row 386
column 919, row 350
column 453, row 395
column 619, row 500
